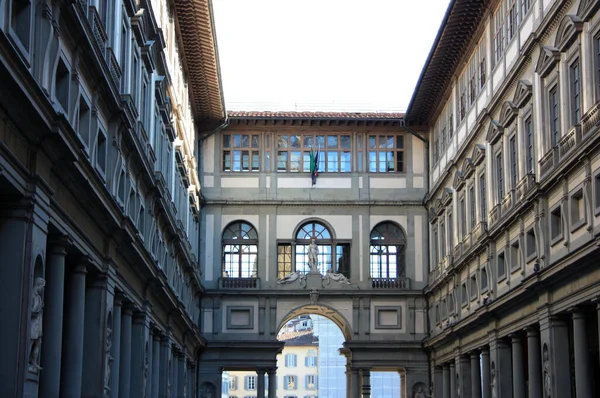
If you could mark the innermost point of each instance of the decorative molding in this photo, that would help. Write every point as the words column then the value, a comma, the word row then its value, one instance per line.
column 587, row 8
column 522, row 93
column 458, row 181
column 467, row 168
column 547, row 60
column 508, row 113
column 494, row 133
column 447, row 196
column 568, row 30
column 478, row 154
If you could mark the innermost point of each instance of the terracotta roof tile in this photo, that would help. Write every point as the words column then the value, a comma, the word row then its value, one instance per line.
column 314, row 115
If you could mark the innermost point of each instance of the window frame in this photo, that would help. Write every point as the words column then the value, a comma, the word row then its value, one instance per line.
column 575, row 94
column 530, row 244
column 482, row 197
column 399, row 243
column 251, row 149
column 577, row 195
column 556, row 231
column 396, row 149
column 25, row 49
column 325, row 148
column 553, row 102
column 252, row 243
column 501, row 255
column 499, row 175
column 529, row 143
column 513, row 152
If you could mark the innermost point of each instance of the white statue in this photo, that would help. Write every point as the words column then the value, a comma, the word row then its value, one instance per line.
column 289, row 278
column 313, row 254
column 420, row 393
column 547, row 374
column 35, row 333
column 335, row 276
column 493, row 382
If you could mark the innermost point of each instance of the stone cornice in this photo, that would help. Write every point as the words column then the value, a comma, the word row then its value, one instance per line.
column 305, row 203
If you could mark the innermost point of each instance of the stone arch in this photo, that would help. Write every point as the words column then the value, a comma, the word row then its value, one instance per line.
column 320, row 309
column 317, row 220
column 207, row 390
column 38, row 267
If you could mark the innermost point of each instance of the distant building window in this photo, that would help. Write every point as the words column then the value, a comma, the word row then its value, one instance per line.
column 386, row 153
column 311, row 359
column 577, row 209
column 332, row 152
column 290, row 382
column 554, row 114
column 464, row 294
column 512, row 146
column 515, row 256
column 501, row 265
column 241, row 152
column 530, row 243
column 484, row 280
column 499, row 177
column 20, row 21
column 528, row 127
column 387, row 248
column 250, row 383
column 240, row 251
column 311, row 382
column 556, row 228
column 482, row 197
column 575, row 78
column 290, row 360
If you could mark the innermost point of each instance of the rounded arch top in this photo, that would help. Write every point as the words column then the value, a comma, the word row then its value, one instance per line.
column 319, row 309
column 240, row 229
column 388, row 231
column 314, row 228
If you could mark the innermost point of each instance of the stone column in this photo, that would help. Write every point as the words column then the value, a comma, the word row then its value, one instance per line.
column 150, row 363
column 475, row 375
column 72, row 359
column 272, row 382
column 366, row 383
column 260, row 383
column 53, row 320
column 116, row 348
column 348, row 381
column 446, row 381
column 97, row 339
column 518, row 369
column 464, row 377
column 355, row 383
column 181, row 375
column 173, row 371
column 437, row 382
column 534, row 366
column 598, row 313
column 139, row 352
column 485, row 373
column 155, row 364
column 164, row 367
column 500, row 369
column 555, row 357
column 452, row 379
column 583, row 375
column 125, row 355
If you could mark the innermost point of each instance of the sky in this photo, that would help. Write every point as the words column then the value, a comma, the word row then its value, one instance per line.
column 332, row 55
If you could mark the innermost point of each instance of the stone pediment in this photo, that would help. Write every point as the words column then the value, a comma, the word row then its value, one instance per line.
column 547, row 60
column 478, row 154
column 439, row 207
column 467, row 168
column 447, row 196
column 494, row 132
column 522, row 93
column 458, row 181
column 568, row 30
column 508, row 113
column 587, row 8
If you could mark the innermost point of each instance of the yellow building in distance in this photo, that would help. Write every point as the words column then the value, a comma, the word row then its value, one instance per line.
column 297, row 366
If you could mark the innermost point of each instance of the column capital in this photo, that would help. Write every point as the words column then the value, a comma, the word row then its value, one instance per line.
column 576, row 312
column 485, row 350
column 515, row 338
column 532, row 331
column 59, row 243
column 272, row 371
column 260, row 371
column 475, row 353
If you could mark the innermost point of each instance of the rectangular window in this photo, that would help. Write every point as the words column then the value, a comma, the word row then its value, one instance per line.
column 101, row 151
column 484, row 280
column 435, row 245
column 575, row 93
column 290, row 360
column 597, row 192
column 20, row 21
column 473, row 287
column 61, row 85
column 514, row 255
column 463, row 218
column 333, row 153
column 512, row 19
column 386, row 153
column 342, row 259
column 556, row 229
column 442, row 240
column 83, row 121
column 482, row 197
column 554, row 113
column 290, row 382
column 482, row 64
column 241, row 152
column 529, row 143
column 311, row 382
column 284, row 260
column 530, row 243
column 250, row 383
column 499, row 178
column 464, row 294
column 472, row 207
column 450, row 231
column 597, row 65
column 512, row 143
column 525, row 6
column 498, row 34
column 577, row 209
column 123, row 55
column 501, row 265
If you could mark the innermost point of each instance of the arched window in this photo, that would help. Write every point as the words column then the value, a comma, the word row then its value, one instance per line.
column 388, row 244
column 322, row 237
column 240, row 248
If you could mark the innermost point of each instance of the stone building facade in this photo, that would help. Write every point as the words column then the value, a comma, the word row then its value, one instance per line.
column 99, row 216
column 513, row 204
column 455, row 244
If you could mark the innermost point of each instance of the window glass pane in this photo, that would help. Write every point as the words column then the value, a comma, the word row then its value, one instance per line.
column 400, row 161
column 268, row 161
column 359, row 158
column 345, row 141
column 226, row 140
column 332, row 162
column 294, row 161
column 400, row 142
column 382, row 141
column 345, row 162
column 295, row 141
column 255, row 141
column 390, row 141
column 282, row 141
column 372, row 141
column 226, row 161
column 255, row 161
column 372, row 162
column 245, row 141
column 236, row 140
column 390, row 161
column 332, row 141
column 320, row 141
column 282, row 158
column 237, row 159
column 308, row 141
column 382, row 162
column 245, row 160
column 306, row 162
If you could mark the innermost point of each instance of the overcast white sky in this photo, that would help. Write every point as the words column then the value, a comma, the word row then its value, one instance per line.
column 324, row 54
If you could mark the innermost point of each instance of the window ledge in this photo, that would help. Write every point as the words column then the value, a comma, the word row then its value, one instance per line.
column 578, row 224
